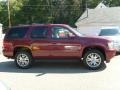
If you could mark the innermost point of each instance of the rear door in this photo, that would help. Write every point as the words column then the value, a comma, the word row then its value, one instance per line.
column 40, row 41
column 64, row 43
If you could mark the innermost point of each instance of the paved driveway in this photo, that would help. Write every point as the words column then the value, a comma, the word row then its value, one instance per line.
column 60, row 76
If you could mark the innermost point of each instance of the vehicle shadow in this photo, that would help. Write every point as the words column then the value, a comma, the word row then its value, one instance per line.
column 49, row 66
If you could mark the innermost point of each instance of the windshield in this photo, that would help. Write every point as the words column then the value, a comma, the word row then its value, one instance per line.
column 109, row 32
column 75, row 31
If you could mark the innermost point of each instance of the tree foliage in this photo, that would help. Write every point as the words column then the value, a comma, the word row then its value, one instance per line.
column 47, row 11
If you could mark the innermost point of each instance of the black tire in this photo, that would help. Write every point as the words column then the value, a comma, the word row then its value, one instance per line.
column 28, row 59
column 87, row 59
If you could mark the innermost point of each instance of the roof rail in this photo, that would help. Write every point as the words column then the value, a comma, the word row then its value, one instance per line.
column 23, row 24
column 37, row 24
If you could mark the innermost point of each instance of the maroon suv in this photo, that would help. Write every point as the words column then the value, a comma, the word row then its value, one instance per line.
column 26, row 43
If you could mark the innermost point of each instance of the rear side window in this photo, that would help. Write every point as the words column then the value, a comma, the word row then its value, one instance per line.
column 39, row 32
column 15, row 33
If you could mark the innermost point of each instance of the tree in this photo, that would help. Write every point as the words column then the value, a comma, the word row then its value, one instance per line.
column 3, row 13
column 112, row 3
column 47, row 11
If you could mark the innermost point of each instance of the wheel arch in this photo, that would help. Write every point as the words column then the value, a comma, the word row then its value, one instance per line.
column 99, row 48
column 22, row 48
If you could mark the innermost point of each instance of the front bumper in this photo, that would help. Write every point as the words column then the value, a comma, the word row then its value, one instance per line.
column 110, row 54
column 117, row 49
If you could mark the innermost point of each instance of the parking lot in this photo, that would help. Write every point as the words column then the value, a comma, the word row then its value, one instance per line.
column 56, row 75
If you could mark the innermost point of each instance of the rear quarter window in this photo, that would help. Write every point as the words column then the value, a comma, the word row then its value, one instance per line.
column 16, row 33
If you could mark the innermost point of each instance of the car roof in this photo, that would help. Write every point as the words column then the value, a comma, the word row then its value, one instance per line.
column 34, row 24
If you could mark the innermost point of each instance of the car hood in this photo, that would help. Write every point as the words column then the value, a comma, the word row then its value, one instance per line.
column 95, row 39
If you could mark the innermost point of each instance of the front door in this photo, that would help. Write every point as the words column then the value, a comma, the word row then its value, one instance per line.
column 64, row 43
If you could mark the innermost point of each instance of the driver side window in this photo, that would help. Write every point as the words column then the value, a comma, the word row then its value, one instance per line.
column 61, row 33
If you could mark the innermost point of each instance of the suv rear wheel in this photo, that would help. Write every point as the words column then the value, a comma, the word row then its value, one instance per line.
column 23, row 60
column 93, row 59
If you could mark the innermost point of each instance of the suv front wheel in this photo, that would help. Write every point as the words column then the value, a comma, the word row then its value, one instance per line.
column 93, row 59
column 23, row 60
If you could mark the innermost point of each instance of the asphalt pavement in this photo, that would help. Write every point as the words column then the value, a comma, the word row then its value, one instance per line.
column 65, row 75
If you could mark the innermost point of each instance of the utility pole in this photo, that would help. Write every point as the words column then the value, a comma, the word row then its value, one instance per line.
column 9, row 17
column 83, row 4
column 87, row 7
column 49, row 2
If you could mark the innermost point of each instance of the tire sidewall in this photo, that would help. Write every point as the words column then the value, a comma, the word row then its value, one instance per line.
column 28, row 55
column 93, row 51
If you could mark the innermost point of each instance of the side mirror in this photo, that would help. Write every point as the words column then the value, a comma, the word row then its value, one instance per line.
column 71, row 36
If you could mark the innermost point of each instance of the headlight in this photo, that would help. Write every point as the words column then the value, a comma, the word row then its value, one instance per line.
column 111, row 45
column 116, row 43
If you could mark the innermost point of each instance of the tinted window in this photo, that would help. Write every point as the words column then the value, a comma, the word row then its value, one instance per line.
column 39, row 33
column 17, row 32
column 109, row 32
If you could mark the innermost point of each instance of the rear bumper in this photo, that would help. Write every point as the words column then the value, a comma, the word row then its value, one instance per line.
column 7, row 53
column 110, row 54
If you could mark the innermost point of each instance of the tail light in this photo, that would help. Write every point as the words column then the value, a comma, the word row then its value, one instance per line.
column 7, row 45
